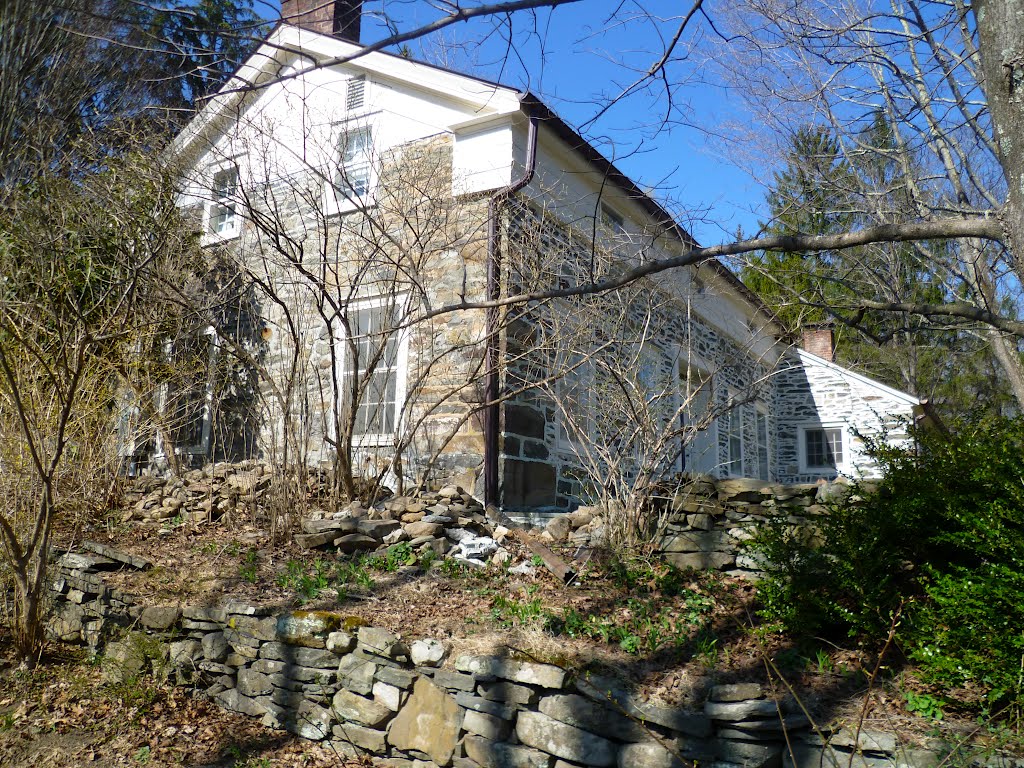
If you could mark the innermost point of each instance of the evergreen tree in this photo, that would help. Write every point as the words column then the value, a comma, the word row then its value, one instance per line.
column 808, row 196
column 822, row 190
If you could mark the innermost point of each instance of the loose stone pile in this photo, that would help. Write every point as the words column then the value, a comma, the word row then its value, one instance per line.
column 200, row 495
column 329, row 677
column 448, row 522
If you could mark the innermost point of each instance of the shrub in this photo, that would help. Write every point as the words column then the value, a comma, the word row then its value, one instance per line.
column 941, row 540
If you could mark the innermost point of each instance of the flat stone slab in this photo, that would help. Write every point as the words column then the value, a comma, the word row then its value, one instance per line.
column 355, row 542
column 740, row 710
column 315, row 540
column 81, row 561
column 126, row 558
column 737, row 692
column 498, row 754
column 487, row 668
column 603, row 689
column 330, row 524
column 429, row 722
column 562, row 740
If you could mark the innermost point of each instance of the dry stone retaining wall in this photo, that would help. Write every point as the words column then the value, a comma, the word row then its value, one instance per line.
column 328, row 677
column 706, row 522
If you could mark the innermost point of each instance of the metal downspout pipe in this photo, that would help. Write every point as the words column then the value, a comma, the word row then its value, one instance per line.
column 492, row 383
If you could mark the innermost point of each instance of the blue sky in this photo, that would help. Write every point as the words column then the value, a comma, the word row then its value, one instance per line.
column 577, row 56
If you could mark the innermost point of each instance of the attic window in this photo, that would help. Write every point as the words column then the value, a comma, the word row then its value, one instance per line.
column 223, row 211
column 355, row 93
column 612, row 220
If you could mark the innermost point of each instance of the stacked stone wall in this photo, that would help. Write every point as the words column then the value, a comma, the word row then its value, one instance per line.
column 706, row 523
column 367, row 691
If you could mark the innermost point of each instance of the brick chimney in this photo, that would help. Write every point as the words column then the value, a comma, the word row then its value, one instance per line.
column 819, row 340
column 341, row 18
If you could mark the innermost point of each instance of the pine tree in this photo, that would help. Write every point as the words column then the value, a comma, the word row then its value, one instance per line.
column 824, row 190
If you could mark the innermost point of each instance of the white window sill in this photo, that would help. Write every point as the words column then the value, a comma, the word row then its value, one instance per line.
column 338, row 206
column 374, row 441
column 217, row 238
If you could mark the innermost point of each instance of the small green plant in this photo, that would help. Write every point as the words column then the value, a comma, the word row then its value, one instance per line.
column 394, row 557
column 924, row 705
column 452, row 568
column 706, row 649
column 247, row 569
column 509, row 611
column 307, row 584
column 354, row 572
column 142, row 755
column 824, row 662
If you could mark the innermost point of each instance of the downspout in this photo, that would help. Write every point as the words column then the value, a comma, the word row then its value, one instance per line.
column 492, row 388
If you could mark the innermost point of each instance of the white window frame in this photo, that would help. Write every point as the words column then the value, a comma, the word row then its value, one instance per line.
column 764, row 449
column 400, row 368
column 734, row 415
column 339, row 199
column 203, row 447
column 693, row 371
column 580, row 370
column 226, row 201
column 840, row 466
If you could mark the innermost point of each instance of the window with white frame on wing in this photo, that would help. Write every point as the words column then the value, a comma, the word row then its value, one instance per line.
column 761, row 429
column 355, row 155
column 822, row 447
column 224, row 219
column 699, row 430
column 574, row 399
column 372, row 368
column 731, row 424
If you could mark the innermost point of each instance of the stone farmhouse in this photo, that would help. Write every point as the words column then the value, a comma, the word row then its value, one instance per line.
column 366, row 208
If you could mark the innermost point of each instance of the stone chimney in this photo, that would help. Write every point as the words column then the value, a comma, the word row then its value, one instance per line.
column 341, row 18
column 819, row 340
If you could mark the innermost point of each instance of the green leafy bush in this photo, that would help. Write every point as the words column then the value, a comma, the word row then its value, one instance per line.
column 940, row 542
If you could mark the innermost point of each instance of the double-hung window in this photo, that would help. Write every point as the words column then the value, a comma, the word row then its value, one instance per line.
column 822, row 448
column 761, row 426
column 352, row 180
column 698, row 428
column 373, row 375
column 573, row 398
column 732, row 428
column 224, row 220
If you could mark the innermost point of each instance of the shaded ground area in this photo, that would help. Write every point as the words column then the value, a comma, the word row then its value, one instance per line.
column 64, row 714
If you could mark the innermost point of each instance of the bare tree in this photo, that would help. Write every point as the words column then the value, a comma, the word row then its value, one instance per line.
column 78, row 257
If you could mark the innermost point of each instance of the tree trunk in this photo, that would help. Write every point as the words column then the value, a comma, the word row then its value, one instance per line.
column 1001, row 43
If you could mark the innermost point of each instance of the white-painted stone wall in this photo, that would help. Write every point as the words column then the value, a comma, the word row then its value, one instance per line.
column 813, row 392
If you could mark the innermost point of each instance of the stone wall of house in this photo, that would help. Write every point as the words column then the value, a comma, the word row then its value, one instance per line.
column 329, row 677
column 416, row 249
column 541, row 473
